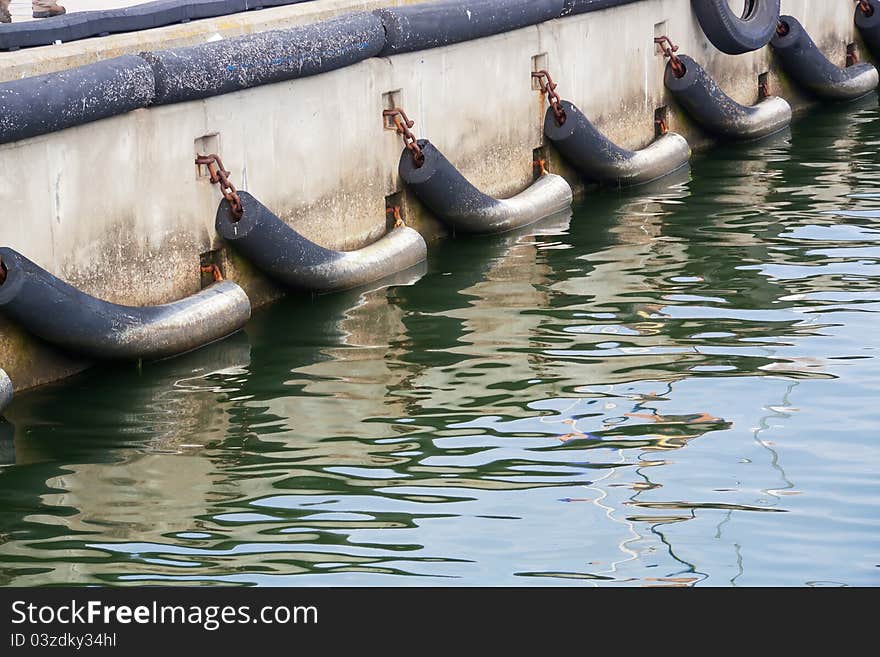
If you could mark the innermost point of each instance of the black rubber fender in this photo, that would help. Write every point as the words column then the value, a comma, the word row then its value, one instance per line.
column 584, row 6
column 734, row 32
column 221, row 67
column 717, row 113
column 6, row 391
column 434, row 24
column 284, row 255
column 85, row 24
column 869, row 27
column 58, row 313
column 599, row 159
column 808, row 67
column 456, row 202
column 46, row 103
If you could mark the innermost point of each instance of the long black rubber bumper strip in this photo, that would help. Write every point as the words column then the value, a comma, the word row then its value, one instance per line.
column 47, row 103
column 583, row 6
column 85, row 24
column 289, row 258
column 810, row 69
column 79, row 323
column 5, row 390
column 456, row 202
column 717, row 113
column 251, row 60
column 869, row 26
column 599, row 159
column 433, row 24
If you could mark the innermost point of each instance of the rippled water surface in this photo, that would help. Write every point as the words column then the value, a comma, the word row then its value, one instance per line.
column 674, row 386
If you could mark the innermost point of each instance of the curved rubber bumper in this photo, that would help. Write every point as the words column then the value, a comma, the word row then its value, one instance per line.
column 869, row 27
column 811, row 70
column 717, row 113
column 55, row 101
column 456, row 202
column 286, row 256
column 599, row 159
column 5, row 390
column 221, row 67
column 62, row 315
column 434, row 24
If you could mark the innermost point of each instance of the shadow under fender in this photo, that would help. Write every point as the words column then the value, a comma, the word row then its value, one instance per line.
column 77, row 322
column 869, row 27
column 717, row 113
column 455, row 201
column 810, row 69
column 286, row 256
column 599, row 159
column 736, row 33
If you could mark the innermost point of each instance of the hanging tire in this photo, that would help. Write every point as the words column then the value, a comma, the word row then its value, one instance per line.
column 737, row 33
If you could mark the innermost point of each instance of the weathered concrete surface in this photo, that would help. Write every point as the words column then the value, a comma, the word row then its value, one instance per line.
column 117, row 207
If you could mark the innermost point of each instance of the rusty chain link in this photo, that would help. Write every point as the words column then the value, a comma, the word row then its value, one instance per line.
column 214, row 270
column 403, row 124
column 865, row 7
column 548, row 89
column 394, row 211
column 669, row 49
column 219, row 175
column 782, row 28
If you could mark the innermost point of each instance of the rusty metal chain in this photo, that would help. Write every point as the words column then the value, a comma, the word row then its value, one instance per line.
column 403, row 124
column 214, row 270
column 548, row 89
column 782, row 28
column 219, row 175
column 852, row 56
column 669, row 49
column 394, row 211
column 2, row 272
column 865, row 7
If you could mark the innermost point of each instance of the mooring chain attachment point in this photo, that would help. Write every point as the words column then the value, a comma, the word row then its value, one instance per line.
column 403, row 124
column 548, row 89
column 214, row 270
column 669, row 49
column 220, row 176
column 865, row 7
column 782, row 28
column 542, row 165
column 394, row 211
column 661, row 125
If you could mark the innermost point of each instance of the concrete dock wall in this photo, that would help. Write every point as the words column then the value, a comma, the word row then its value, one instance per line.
column 118, row 208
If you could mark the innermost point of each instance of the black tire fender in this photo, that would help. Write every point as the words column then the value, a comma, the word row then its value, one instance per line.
column 734, row 33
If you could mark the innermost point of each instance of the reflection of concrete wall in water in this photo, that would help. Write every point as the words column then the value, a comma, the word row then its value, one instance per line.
column 335, row 400
column 152, row 490
column 493, row 333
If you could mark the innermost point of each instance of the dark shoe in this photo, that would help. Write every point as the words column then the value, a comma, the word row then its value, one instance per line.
column 54, row 10
column 5, row 16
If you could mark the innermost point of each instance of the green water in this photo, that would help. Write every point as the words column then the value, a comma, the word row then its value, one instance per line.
column 674, row 386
